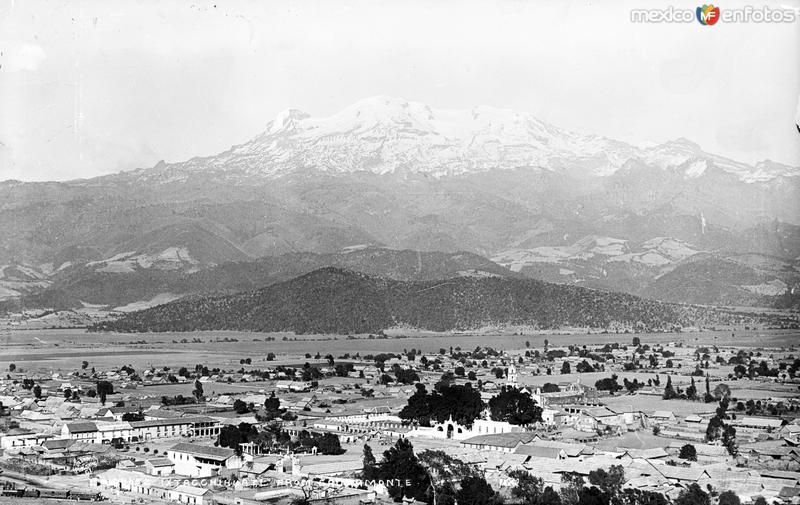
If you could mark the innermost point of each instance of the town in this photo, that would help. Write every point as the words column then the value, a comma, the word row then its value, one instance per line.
column 633, row 420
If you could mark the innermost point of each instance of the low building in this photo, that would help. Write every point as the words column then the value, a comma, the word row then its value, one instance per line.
column 190, row 494
column 18, row 438
column 197, row 460
column 503, row 442
column 198, row 426
column 159, row 466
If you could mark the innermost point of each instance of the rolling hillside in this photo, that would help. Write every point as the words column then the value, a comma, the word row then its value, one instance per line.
column 333, row 300
column 127, row 279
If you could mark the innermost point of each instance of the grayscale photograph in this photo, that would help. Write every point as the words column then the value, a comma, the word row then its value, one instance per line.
column 351, row 252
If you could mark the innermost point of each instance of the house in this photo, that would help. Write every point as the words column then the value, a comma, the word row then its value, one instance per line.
column 18, row 438
column 159, row 466
column 108, row 432
column 57, row 444
column 81, row 430
column 197, row 460
column 693, row 418
column 662, row 416
column 539, row 451
column 502, row 442
column 198, row 426
column 117, row 412
column 654, row 453
column 570, row 450
column 190, row 494
column 256, row 469
column 758, row 423
column 682, row 475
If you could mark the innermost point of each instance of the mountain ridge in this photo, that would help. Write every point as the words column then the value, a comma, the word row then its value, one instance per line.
column 410, row 135
column 334, row 300
column 453, row 139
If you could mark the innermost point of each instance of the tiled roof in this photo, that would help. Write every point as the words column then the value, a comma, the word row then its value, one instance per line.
column 81, row 427
column 191, row 490
column 160, row 462
column 218, row 453
column 500, row 439
column 681, row 473
column 539, row 451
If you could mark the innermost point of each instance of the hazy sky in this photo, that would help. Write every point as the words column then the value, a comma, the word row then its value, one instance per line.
column 89, row 88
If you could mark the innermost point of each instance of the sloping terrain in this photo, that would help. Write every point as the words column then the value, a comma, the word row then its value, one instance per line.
column 127, row 279
column 332, row 300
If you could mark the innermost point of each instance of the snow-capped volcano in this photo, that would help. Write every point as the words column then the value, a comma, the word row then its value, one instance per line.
column 385, row 135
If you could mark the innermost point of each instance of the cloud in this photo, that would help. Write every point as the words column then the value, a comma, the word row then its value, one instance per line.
column 16, row 56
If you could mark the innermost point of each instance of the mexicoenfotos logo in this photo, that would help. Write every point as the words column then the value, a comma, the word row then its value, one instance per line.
column 707, row 15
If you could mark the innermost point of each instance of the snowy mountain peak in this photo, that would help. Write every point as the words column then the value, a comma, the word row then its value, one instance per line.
column 384, row 135
column 286, row 120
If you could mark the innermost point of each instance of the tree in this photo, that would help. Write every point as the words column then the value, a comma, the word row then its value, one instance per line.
column 592, row 496
column 571, row 485
column 328, row 443
column 369, row 470
column 722, row 391
column 37, row 391
column 240, row 407
column 476, row 491
column 633, row 496
column 515, row 407
column 401, row 466
column 549, row 387
column 708, row 397
column 729, row 498
column 231, row 436
column 608, row 384
column 105, row 387
column 669, row 391
column 445, row 470
column 84, row 365
column 529, row 489
column 693, row 495
column 688, row 452
column 198, row 390
column 133, row 416
column 406, row 376
column 636, row 341
column 565, row 368
column 67, row 393
column 729, row 439
column 691, row 391
column 609, row 481
column 463, row 403
column 550, row 497
column 12, row 367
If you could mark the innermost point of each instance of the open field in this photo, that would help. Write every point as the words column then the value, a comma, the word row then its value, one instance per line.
column 65, row 349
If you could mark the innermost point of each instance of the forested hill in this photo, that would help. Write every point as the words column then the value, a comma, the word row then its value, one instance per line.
column 332, row 300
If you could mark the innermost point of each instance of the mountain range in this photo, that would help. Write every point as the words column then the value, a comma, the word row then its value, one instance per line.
column 667, row 221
